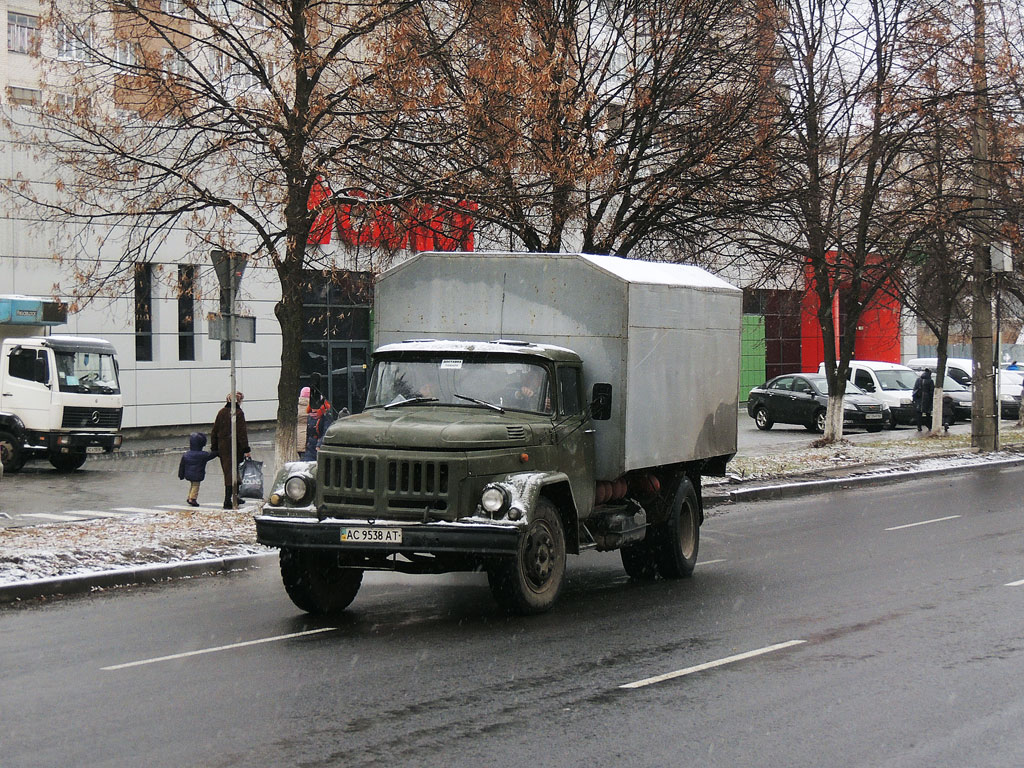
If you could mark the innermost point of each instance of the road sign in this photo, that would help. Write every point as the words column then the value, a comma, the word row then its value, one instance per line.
column 245, row 328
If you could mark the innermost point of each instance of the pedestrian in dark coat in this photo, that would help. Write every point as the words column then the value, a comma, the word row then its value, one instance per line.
column 947, row 413
column 193, row 465
column 922, row 395
column 220, row 443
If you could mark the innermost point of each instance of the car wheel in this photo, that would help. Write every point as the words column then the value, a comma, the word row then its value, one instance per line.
column 818, row 424
column 11, row 452
column 680, row 539
column 892, row 420
column 762, row 419
column 67, row 462
column 530, row 581
column 316, row 583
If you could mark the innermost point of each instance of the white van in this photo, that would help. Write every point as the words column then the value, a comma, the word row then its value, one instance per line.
column 891, row 383
column 959, row 369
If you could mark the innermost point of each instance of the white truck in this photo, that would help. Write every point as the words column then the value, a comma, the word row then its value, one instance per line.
column 59, row 395
column 521, row 407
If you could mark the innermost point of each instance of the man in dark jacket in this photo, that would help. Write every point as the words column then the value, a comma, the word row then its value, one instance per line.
column 220, row 443
column 193, row 465
column 923, row 394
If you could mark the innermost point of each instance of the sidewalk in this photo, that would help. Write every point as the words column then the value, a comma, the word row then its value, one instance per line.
column 47, row 560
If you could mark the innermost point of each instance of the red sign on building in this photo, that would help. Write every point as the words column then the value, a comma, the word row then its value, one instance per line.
column 419, row 227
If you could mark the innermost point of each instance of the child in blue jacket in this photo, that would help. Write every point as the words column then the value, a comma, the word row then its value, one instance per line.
column 193, row 465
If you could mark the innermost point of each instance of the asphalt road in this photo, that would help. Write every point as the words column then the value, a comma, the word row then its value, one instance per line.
column 901, row 607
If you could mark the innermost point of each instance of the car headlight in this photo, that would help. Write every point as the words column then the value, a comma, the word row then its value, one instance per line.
column 296, row 488
column 849, row 407
column 494, row 499
column 906, row 401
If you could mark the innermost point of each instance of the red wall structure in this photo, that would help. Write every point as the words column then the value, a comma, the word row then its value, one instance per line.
column 878, row 332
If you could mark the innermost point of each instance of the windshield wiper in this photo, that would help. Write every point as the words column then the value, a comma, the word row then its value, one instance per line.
column 484, row 403
column 411, row 400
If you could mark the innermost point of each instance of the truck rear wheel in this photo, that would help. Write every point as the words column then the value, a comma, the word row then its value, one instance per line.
column 680, row 537
column 316, row 583
column 67, row 462
column 530, row 582
column 11, row 452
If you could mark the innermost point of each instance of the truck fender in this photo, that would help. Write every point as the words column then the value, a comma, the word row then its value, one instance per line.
column 11, row 423
column 527, row 487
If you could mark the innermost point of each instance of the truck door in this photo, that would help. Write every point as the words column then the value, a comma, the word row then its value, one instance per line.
column 26, row 387
column 575, row 435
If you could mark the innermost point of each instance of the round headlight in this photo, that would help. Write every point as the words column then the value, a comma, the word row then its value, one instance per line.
column 296, row 488
column 494, row 499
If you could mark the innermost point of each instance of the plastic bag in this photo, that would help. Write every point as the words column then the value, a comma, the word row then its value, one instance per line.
column 250, row 479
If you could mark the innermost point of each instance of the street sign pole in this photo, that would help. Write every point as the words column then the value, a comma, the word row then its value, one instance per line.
column 229, row 267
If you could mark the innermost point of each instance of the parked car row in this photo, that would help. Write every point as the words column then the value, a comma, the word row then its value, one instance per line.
column 877, row 394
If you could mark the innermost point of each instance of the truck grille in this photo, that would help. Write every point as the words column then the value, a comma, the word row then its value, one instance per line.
column 398, row 488
column 77, row 417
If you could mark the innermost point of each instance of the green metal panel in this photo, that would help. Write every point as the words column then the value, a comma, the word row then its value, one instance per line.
column 752, row 354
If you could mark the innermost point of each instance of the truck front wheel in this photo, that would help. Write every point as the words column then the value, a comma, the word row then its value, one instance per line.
column 11, row 452
column 680, row 534
column 67, row 462
column 530, row 582
column 316, row 583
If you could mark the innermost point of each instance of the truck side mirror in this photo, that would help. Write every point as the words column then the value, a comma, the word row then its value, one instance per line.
column 601, row 402
column 41, row 372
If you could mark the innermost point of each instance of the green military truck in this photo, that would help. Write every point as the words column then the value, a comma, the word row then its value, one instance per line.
column 520, row 408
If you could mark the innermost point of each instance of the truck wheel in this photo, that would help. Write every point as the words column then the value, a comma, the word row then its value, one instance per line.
column 67, row 462
column 762, row 419
column 680, row 534
column 530, row 582
column 641, row 559
column 11, row 452
column 316, row 583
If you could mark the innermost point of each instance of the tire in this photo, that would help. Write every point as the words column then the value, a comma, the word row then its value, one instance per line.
column 680, row 539
column 316, row 583
column 762, row 419
column 67, row 462
column 530, row 582
column 12, row 453
column 820, row 420
column 641, row 559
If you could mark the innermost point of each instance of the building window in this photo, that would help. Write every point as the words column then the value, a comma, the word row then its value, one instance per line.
column 23, row 97
column 125, row 54
column 186, row 312
column 172, row 7
column 73, row 45
column 22, row 32
column 143, row 312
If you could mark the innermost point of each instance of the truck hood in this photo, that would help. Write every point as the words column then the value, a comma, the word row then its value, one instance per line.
column 436, row 427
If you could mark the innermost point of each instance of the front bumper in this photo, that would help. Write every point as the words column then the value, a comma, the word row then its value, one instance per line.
column 468, row 538
column 67, row 442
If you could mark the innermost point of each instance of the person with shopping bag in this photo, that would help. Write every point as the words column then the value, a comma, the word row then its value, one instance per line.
column 220, row 443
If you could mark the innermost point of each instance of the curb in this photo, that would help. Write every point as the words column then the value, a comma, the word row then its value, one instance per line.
column 131, row 576
column 790, row 490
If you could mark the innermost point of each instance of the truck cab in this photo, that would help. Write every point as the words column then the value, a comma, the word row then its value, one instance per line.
column 59, row 399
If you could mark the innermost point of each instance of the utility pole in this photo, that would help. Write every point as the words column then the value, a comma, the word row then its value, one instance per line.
column 983, row 422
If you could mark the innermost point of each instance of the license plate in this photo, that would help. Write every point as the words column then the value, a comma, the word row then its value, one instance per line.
column 872, row 415
column 94, row 449
column 371, row 535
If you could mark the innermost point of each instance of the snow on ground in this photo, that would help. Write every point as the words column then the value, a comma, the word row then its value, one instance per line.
column 65, row 549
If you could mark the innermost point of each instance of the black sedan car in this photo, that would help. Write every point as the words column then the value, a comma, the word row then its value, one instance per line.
column 802, row 398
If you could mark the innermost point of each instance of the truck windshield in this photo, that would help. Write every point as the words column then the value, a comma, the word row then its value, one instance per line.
column 467, row 382
column 86, row 372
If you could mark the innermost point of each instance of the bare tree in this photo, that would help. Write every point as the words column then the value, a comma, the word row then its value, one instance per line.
column 834, row 215
column 219, row 118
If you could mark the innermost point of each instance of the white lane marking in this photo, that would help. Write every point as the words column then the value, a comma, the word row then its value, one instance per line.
column 92, row 513
column 923, row 522
column 47, row 516
column 1015, row 584
column 712, row 664
column 712, row 562
column 218, row 648
column 135, row 509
